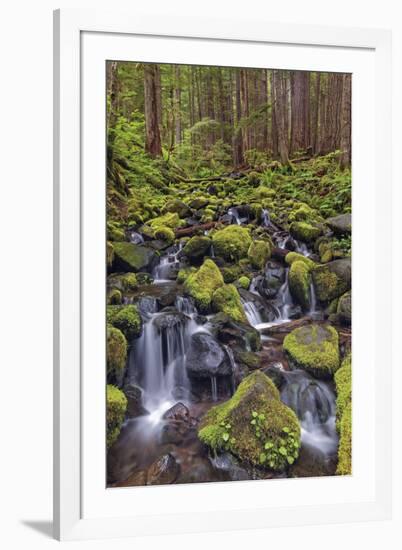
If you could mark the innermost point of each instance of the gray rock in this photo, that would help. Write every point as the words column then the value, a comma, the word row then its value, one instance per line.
column 340, row 225
column 206, row 357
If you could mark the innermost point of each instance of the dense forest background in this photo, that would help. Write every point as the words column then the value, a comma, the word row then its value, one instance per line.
column 214, row 117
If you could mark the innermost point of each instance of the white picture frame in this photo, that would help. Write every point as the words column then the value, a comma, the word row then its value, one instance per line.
column 83, row 507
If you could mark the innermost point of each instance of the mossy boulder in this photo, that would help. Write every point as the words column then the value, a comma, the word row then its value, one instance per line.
column 314, row 348
column 344, row 309
column 244, row 282
column 125, row 282
column 304, row 231
column 165, row 234
column 183, row 273
column 299, row 283
column 254, row 425
column 344, row 466
column 114, row 296
column 177, row 206
column 170, row 219
column 231, row 273
column 232, row 242
column 125, row 318
column 109, row 253
column 235, row 333
column 133, row 257
column 116, row 353
column 343, row 382
column 332, row 279
column 296, row 257
column 226, row 299
column 304, row 213
column 116, row 405
column 259, row 253
column 197, row 247
column 202, row 284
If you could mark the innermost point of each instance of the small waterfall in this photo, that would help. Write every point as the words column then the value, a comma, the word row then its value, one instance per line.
column 168, row 263
column 313, row 299
column 280, row 239
column 301, row 248
column 314, row 403
column 284, row 299
column 235, row 368
column 252, row 313
column 214, row 389
column 265, row 218
column 147, row 305
column 234, row 213
column 136, row 238
column 185, row 305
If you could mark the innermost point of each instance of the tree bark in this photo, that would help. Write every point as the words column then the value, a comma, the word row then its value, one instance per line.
column 280, row 95
column 151, row 103
column 346, row 145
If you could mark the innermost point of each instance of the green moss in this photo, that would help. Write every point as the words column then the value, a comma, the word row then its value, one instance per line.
column 326, row 256
column 178, row 206
column 303, row 213
column 114, row 296
column 165, row 234
column 230, row 426
column 184, row 273
column 314, row 348
column 296, row 257
column 244, row 282
column 125, row 318
column 259, row 253
column 343, row 382
column 345, row 443
column 116, row 405
column 202, row 284
column 132, row 257
column 226, row 299
column 232, row 242
column 231, row 274
column 299, row 283
column 304, row 231
column 109, row 253
column 116, row 351
column 197, row 247
column 248, row 358
column 115, row 232
column 126, row 282
column 170, row 219
column 328, row 284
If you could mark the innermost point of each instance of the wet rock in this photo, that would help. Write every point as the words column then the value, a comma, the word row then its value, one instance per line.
column 332, row 279
column 271, row 282
column 179, row 411
column 133, row 394
column 344, row 309
column 135, row 480
column 133, row 257
column 201, row 471
column 228, row 331
column 276, row 375
column 169, row 319
column 163, row 471
column 228, row 464
column 340, row 225
column 197, row 247
column 206, row 357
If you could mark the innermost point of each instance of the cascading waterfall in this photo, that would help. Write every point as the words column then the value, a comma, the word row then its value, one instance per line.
column 252, row 313
column 169, row 262
column 234, row 366
column 313, row 299
column 265, row 217
column 314, row 403
column 136, row 238
column 284, row 299
column 234, row 213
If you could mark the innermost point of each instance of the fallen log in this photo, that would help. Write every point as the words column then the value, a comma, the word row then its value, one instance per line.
column 193, row 229
column 284, row 328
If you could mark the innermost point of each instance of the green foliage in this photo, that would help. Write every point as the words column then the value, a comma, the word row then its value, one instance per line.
column 116, row 406
column 125, row 318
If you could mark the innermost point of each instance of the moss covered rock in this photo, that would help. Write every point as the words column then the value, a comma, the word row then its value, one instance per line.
column 314, row 348
column 304, row 213
column 226, row 299
column 244, row 282
column 177, row 206
column 165, row 234
column 125, row 318
column 170, row 219
column 344, row 466
column 231, row 273
column 183, row 273
column 197, row 247
column 254, row 425
column 296, row 257
column 202, row 284
column 332, row 279
column 109, row 253
column 340, row 225
column 304, row 231
column 299, row 283
column 133, row 257
column 259, row 253
column 344, row 308
column 125, row 282
column 343, row 382
column 114, row 297
column 116, row 405
column 116, row 352
column 232, row 242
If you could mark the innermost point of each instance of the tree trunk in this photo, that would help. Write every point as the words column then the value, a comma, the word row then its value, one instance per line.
column 238, row 137
column 280, row 95
column 315, row 113
column 177, row 103
column 151, row 102
column 346, row 146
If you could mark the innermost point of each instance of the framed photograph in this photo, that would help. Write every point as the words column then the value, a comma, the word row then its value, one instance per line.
column 218, row 187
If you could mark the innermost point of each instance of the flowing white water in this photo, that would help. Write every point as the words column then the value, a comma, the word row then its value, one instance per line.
column 313, row 299
column 234, row 213
column 136, row 238
column 284, row 299
column 265, row 217
column 314, row 403
column 252, row 313
column 162, row 273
